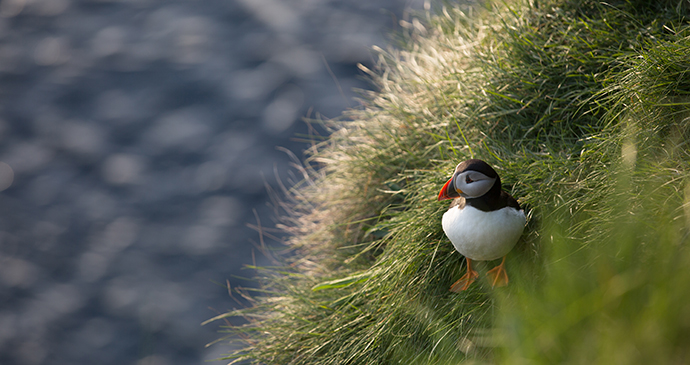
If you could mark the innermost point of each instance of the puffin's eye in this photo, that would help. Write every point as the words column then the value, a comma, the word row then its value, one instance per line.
column 468, row 179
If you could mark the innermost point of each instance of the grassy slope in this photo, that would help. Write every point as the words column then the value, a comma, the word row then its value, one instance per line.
column 583, row 109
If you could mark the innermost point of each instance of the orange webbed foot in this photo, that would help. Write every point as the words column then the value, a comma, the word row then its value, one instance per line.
column 466, row 280
column 498, row 275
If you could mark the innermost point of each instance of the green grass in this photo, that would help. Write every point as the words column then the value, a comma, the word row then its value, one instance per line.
column 583, row 107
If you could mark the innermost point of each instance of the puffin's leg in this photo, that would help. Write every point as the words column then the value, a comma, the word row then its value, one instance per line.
column 465, row 280
column 498, row 275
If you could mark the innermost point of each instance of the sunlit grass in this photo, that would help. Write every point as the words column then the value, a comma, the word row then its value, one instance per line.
column 582, row 107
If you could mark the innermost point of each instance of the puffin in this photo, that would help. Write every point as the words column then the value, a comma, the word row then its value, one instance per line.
column 483, row 222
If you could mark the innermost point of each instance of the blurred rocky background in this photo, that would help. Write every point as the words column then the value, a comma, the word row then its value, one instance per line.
column 135, row 136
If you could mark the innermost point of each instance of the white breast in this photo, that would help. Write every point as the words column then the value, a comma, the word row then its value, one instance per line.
column 483, row 236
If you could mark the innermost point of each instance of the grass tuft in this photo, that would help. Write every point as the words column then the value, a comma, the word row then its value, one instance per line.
column 583, row 107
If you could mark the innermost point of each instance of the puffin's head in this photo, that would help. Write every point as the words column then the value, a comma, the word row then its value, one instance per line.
column 472, row 179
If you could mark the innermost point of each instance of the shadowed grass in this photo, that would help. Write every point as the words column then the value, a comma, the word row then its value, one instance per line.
column 582, row 107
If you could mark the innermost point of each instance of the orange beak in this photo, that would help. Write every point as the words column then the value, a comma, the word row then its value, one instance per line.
column 448, row 191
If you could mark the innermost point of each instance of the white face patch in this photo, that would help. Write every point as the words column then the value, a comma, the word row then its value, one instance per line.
column 473, row 184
